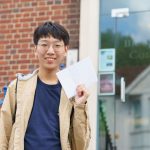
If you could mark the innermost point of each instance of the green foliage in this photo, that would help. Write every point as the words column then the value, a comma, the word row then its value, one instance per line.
column 128, row 53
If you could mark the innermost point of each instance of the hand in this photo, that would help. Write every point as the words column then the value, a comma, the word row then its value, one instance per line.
column 81, row 94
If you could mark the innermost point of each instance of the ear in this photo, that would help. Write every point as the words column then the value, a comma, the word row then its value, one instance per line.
column 35, row 51
column 66, row 50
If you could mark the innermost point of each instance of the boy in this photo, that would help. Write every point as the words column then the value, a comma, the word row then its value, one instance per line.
column 36, row 114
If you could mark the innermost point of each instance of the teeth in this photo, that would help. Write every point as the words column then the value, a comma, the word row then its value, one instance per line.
column 50, row 59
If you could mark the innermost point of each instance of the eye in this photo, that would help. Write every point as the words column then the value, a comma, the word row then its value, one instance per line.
column 57, row 46
column 44, row 45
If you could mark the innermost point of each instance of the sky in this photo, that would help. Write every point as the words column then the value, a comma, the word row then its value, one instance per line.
column 136, row 25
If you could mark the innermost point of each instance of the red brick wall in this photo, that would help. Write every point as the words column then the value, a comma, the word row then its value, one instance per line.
column 18, row 19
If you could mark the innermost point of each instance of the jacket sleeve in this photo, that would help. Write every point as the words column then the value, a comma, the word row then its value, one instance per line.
column 6, row 117
column 81, row 133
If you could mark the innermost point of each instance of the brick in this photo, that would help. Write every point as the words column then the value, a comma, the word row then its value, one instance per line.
column 3, row 26
column 27, row 4
column 18, row 21
column 58, row 18
column 58, row 2
column 66, row 1
column 23, row 67
column 4, row 21
column 25, row 25
column 42, row 13
column 23, row 56
column 12, row 5
column 6, row 67
column 3, row 52
column 16, row 35
column 9, row 36
column 49, row 13
column 1, row 94
column 2, row 62
column 13, row 31
column 55, row 7
column 12, row 62
column 2, row 73
column 16, row 46
column 50, row 2
column 34, row 61
column 4, row 31
column 12, row 72
column 13, row 41
column 3, row 16
column 24, row 45
column 34, row 24
column 26, row 0
column 5, row 11
column 41, row 3
column 57, row 12
column 15, row 67
column 12, row 51
column 26, row 19
column 15, row 10
column 7, row 57
column 42, row 18
column 75, row 1
column 34, row 14
column 6, row 79
column 5, row 7
column 15, row 57
column 24, row 51
column 17, row 25
column 1, row 57
column 18, row 15
column 42, row 8
column 23, row 61
column 26, row 10
column 26, row 15
column 24, row 40
column 31, row 56
column 28, row 30
column 34, row 4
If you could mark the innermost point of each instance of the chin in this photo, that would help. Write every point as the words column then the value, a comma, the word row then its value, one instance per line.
column 50, row 68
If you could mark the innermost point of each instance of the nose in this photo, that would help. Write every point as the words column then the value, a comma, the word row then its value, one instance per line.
column 50, row 49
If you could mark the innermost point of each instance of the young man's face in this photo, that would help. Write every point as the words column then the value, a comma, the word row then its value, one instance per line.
column 50, row 53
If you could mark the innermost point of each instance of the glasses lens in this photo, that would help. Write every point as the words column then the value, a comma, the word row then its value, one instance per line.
column 56, row 46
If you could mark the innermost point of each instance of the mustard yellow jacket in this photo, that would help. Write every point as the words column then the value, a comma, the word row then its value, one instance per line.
column 74, row 125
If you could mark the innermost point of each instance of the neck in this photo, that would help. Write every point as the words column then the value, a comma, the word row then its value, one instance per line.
column 48, row 76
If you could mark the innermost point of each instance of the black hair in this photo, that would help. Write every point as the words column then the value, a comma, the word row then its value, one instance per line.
column 51, row 29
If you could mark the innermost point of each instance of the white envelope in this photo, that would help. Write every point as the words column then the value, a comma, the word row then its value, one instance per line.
column 80, row 73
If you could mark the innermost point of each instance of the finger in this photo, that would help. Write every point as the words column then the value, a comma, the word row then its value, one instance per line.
column 81, row 87
column 82, row 91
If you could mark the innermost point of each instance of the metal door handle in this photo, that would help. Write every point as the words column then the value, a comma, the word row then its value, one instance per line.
column 122, row 89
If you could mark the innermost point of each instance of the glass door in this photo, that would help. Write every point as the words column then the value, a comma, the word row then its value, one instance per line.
column 125, row 125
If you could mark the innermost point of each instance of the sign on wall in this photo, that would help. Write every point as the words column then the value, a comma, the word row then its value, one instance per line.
column 107, row 83
column 107, row 71
column 107, row 59
column 72, row 57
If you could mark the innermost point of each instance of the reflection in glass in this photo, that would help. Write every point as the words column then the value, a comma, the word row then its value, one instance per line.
column 127, row 124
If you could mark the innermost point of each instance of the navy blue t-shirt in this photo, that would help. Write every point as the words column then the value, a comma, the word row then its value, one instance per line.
column 43, row 127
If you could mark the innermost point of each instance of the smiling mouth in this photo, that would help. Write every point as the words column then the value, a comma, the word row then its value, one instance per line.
column 50, row 60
